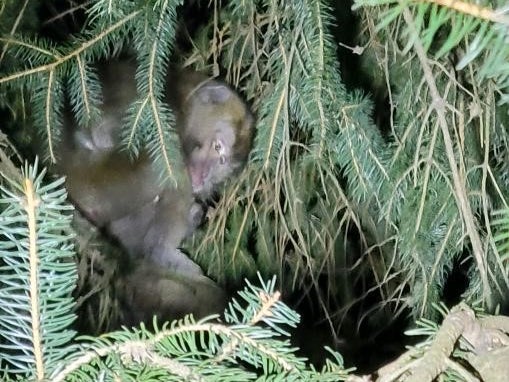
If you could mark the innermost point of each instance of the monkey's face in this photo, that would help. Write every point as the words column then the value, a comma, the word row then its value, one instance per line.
column 209, row 162
column 216, row 136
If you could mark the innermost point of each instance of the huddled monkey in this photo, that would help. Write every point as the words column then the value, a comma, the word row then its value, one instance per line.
column 124, row 196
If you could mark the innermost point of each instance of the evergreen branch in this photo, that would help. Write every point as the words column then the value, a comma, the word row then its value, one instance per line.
column 141, row 351
column 13, row 29
column 283, row 97
column 268, row 309
column 128, row 349
column 276, row 107
column 181, row 350
column 136, row 122
column 488, row 178
column 268, row 301
column 467, row 28
column 245, row 216
column 320, row 69
column 154, row 54
column 160, row 134
column 36, row 275
column 47, row 103
column 32, row 203
column 364, row 166
column 84, row 93
column 59, row 61
column 68, row 11
column 427, row 174
column 229, row 332
column 7, row 167
column 154, row 42
column 30, row 46
column 474, row 10
column 83, row 85
column 501, row 239
column 459, row 185
column 48, row 114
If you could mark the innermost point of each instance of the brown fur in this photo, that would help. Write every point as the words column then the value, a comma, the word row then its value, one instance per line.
column 124, row 196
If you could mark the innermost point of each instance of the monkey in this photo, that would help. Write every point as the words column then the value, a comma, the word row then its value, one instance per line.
column 124, row 196
column 214, row 124
column 215, row 127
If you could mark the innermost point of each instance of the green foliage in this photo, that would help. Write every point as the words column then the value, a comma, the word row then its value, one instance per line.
column 153, row 42
column 310, row 133
column 45, row 68
column 442, row 167
column 248, row 346
column 417, row 189
column 500, row 226
column 442, row 29
column 37, row 275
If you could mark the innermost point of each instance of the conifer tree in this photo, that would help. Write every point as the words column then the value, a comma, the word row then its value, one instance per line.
column 369, row 205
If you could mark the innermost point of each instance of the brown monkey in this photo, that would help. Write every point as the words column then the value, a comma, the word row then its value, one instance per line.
column 124, row 196
column 214, row 124
column 215, row 127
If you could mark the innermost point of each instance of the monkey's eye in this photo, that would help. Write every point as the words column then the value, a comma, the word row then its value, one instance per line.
column 218, row 147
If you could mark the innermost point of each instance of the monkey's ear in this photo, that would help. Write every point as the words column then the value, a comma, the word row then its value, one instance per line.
column 214, row 93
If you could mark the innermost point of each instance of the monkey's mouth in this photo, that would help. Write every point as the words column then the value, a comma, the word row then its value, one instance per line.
column 197, row 180
column 199, row 173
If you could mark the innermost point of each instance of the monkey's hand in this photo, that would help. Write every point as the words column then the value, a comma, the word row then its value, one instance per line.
column 196, row 217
